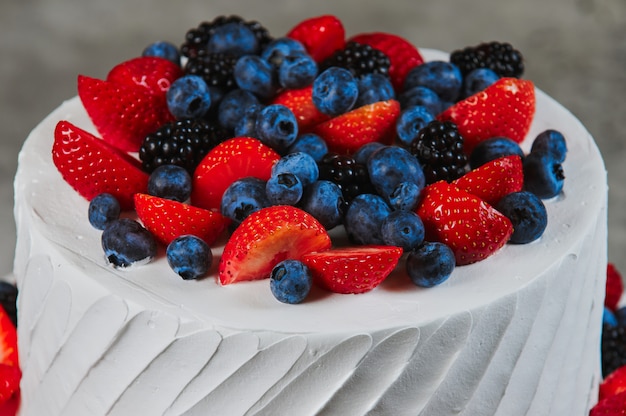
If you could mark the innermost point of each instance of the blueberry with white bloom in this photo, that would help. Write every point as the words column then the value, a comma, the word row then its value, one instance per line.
column 170, row 182
column 233, row 38
column 477, row 80
column 290, row 281
column 324, row 200
column 162, row 49
column 189, row 257
column 443, row 77
column 551, row 141
column 310, row 143
column 421, row 96
column 335, row 91
column 364, row 219
column 277, row 127
column 300, row 164
column 243, row 197
column 254, row 74
column 297, row 71
column 233, row 105
column 374, row 88
column 126, row 242
column 527, row 214
column 404, row 196
column 403, row 229
column 543, row 174
column 430, row 264
column 391, row 165
column 103, row 208
column 284, row 189
column 276, row 51
column 410, row 122
column 188, row 97
column 492, row 149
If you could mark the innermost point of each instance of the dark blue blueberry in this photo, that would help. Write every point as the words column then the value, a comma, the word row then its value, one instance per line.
column 170, row 182
column 246, row 126
column 243, row 197
column 492, row 149
column 297, row 71
column 391, row 165
column 277, row 127
column 284, row 189
column 410, row 122
column 620, row 314
column 234, row 39
column 290, row 281
column 609, row 318
column 364, row 219
column 310, row 143
column 165, row 50
column 404, row 197
column 443, row 77
column 527, row 214
column 335, row 91
column 421, row 96
column 189, row 256
column 103, row 209
column 430, row 264
column 403, row 229
column 276, row 51
column 324, row 200
column 256, row 75
column 126, row 242
column 188, row 97
column 551, row 141
column 478, row 80
column 301, row 164
column 543, row 175
column 374, row 88
column 233, row 106
column 8, row 299
column 364, row 152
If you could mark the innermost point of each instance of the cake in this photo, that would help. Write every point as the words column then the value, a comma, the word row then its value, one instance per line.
column 515, row 334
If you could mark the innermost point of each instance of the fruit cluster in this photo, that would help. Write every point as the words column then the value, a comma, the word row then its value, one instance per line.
column 279, row 140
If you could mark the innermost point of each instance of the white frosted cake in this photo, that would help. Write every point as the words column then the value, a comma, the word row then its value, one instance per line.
column 515, row 334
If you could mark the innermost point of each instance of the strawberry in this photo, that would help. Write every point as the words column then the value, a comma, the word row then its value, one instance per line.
column 91, row 166
column 232, row 159
column 374, row 122
column 123, row 114
column 352, row 269
column 505, row 108
column 473, row 229
column 321, row 36
column 8, row 340
column 614, row 287
column 267, row 237
column 300, row 102
column 153, row 73
column 614, row 383
column 167, row 219
column 10, row 376
column 493, row 180
column 402, row 54
column 611, row 406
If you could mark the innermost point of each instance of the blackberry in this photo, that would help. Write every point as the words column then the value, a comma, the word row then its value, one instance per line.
column 351, row 177
column 8, row 300
column 613, row 348
column 360, row 59
column 439, row 148
column 215, row 68
column 500, row 57
column 183, row 143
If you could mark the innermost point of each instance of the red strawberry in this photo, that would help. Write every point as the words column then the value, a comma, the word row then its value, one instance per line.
column 402, row 54
column 347, row 132
column 123, row 114
column 611, row 406
column 352, row 269
column 321, row 36
column 230, row 160
column 8, row 340
column 91, row 166
column 10, row 407
column 614, row 383
column 300, row 102
column 493, row 180
column 153, row 73
column 614, row 287
column 167, row 219
column 10, row 376
column 472, row 228
column 505, row 108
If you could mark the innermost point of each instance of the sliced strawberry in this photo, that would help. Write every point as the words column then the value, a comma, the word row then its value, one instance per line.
column 402, row 54
column 505, row 108
column 123, row 114
column 10, row 376
column 321, row 35
column 352, row 269
column 374, row 122
column 153, row 73
column 300, row 102
column 495, row 179
column 11, row 406
column 267, row 237
column 8, row 340
column 91, row 166
column 232, row 159
column 610, row 406
column 614, row 287
column 167, row 219
column 614, row 383
column 473, row 229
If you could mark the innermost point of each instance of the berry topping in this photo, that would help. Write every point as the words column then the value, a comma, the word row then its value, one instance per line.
column 614, row 287
column 126, row 242
column 613, row 384
column 284, row 189
column 543, row 175
column 403, row 229
column 494, row 148
column 170, row 182
column 335, row 91
column 277, row 127
column 351, row 177
column 550, row 141
column 154, row 74
column 8, row 300
column 290, row 281
column 360, row 59
column 189, row 256
column 527, row 214
column 364, row 218
column 500, row 57
column 243, row 197
column 217, row 70
column 430, row 264
column 390, row 166
column 321, row 36
column 614, row 405
column 188, row 97
column 103, row 209
column 324, row 200
column 300, row 102
column 444, row 78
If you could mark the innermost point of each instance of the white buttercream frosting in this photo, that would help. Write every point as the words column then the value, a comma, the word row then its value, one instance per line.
column 515, row 334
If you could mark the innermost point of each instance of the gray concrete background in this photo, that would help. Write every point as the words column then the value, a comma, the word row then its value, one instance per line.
column 575, row 50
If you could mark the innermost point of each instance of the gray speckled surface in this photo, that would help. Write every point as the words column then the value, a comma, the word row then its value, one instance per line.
column 575, row 50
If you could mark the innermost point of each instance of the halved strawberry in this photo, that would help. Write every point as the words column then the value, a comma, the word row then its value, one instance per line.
column 150, row 72
column 167, row 219
column 614, row 287
column 321, row 35
column 505, row 108
column 91, row 166
column 495, row 179
column 267, row 237
column 374, row 122
column 402, row 54
column 300, row 102
column 352, row 269
column 8, row 340
column 473, row 229
column 232, row 159
column 10, row 376
column 123, row 114
column 614, row 383
column 610, row 406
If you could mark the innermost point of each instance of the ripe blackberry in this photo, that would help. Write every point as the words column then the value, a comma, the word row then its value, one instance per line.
column 613, row 348
column 360, row 59
column 500, row 57
column 183, row 143
column 215, row 68
column 439, row 148
column 350, row 176
column 8, row 300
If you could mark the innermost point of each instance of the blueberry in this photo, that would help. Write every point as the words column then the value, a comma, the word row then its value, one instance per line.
column 443, row 77
column 551, row 141
column 391, row 165
column 609, row 318
column 165, row 50
column 277, row 127
column 421, row 96
column 284, row 189
column 8, row 299
column 430, row 264
column 189, row 256
column 188, row 97
column 310, row 143
column 410, row 122
column 492, row 149
column 246, row 126
column 297, row 71
column 364, row 219
column 620, row 314
column 300, row 164
column 103, row 208
column 403, row 229
column 276, row 51
column 324, row 200
column 543, row 175
column 126, row 242
column 374, row 88
column 170, row 182
column 234, row 39
column 404, row 197
column 335, row 91
column 256, row 75
column 477, row 80
column 233, row 105
column 243, row 197
column 364, row 152
column 527, row 214
column 290, row 281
